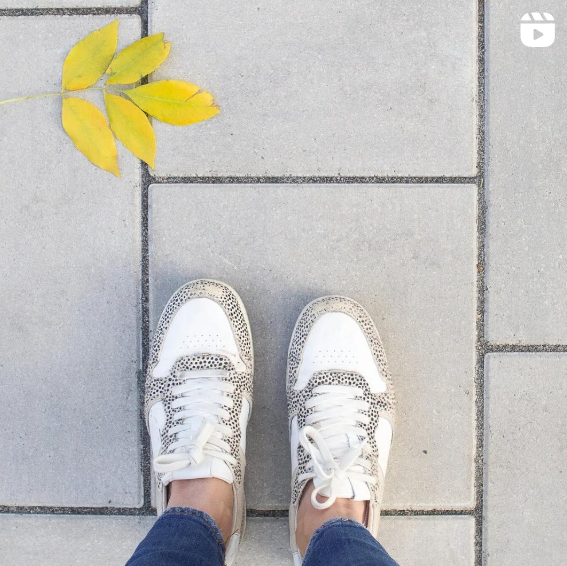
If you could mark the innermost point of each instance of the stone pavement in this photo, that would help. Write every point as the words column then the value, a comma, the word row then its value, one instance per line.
column 408, row 155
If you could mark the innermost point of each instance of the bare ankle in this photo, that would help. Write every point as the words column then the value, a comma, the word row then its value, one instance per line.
column 309, row 519
column 210, row 495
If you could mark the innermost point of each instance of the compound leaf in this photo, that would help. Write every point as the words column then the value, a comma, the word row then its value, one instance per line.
column 174, row 102
column 86, row 125
column 132, row 127
column 88, row 59
column 138, row 60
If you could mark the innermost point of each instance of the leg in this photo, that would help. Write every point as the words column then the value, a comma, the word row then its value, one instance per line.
column 181, row 537
column 344, row 542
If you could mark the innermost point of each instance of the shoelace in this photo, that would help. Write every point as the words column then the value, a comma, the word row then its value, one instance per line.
column 201, row 404
column 337, row 412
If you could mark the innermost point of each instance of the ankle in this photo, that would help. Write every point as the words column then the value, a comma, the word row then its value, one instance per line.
column 210, row 495
column 309, row 519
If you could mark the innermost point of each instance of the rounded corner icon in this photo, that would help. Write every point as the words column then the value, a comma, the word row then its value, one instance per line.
column 537, row 30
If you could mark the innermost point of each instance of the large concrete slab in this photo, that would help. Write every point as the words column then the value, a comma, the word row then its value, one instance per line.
column 527, row 135
column 407, row 253
column 69, row 315
column 526, row 459
column 109, row 541
column 57, row 540
column 319, row 88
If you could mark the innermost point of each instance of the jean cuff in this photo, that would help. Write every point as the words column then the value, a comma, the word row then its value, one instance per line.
column 332, row 523
column 201, row 517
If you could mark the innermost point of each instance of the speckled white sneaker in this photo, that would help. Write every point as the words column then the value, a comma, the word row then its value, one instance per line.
column 199, row 393
column 341, row 408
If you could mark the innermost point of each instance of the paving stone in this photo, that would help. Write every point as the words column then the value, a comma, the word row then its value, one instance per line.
column 56, row 540
column 407, row 253
column 69, row 318
column 110, row 541
column 312, row 88
column 266, row 541
column 422, row 541
column 526, row 459
column 66, row 3
column 527, row 134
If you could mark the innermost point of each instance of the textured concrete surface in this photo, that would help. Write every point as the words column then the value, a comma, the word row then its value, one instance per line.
column 423, row 541
column 52, row 540
column 407, row 253
column 527, row 135
column 69, row 315
column 319, row 88
column 526, row 459
column 110, row 541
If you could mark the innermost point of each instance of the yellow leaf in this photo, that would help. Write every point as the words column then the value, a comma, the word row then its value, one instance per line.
column 86, row 125
column 138, row 60
column 88, row 60
column 132, row 127
column 174, row 102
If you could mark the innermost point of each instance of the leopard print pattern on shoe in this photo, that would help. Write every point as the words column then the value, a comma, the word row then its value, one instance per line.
column 380, row 404
column 159, row 388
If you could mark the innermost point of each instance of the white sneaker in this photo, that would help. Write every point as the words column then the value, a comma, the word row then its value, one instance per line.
column 341, row 409
column 199, row 393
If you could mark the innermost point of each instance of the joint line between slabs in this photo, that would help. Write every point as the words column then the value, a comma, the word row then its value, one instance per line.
column 282, row 180
column 91, row 11
column 481, row 285
column 145, row 453
column 493, row 348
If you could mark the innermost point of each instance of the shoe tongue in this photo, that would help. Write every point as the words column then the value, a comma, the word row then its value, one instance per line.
column 210, row 467
column 346, row 488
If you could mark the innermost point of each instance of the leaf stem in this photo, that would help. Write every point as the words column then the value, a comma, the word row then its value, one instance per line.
column 48, row 94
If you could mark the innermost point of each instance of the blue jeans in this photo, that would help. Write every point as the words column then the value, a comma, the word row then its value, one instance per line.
column 188, row 537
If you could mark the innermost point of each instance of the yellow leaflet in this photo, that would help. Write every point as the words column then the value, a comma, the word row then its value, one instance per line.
column 132, row 127
column 88, row 60
column 175, row 102
column 138, row 60
column 86, row 125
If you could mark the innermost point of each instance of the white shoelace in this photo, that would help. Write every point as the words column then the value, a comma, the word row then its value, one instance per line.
column 201, row 404
column 336, row 416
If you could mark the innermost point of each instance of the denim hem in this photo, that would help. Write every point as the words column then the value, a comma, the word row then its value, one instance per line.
column 336, row 522
column 200, row 516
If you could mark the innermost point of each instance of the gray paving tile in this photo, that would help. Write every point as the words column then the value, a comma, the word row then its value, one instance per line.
column 308, row 88
column 54, row 540
column 526, row 459
column 66, row 3
column 422, row 541
column 109, row 541
column 527, row 134
column 266, row 541
column 69, row 318
column 405, row 252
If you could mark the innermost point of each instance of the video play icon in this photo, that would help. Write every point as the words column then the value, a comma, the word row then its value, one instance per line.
column 537, row 30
